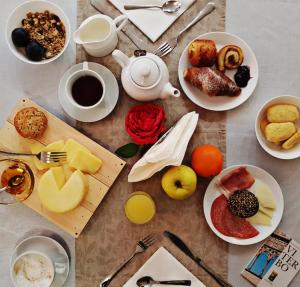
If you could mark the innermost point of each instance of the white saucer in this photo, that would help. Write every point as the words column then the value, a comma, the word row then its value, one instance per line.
column 220, row 103
column 52, row 249
column 212, row 192
column 107, row 105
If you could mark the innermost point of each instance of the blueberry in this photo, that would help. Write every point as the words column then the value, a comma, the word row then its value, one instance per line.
column 20, row 37
column 34, row 51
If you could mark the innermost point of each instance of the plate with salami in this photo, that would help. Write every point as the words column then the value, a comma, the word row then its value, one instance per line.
column 243, row 205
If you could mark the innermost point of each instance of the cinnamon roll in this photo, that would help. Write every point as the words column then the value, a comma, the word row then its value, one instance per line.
column 229, row 57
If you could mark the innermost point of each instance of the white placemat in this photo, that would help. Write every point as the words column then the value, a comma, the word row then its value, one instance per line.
column 163, row 266
column 152, row 22
column 271, row 28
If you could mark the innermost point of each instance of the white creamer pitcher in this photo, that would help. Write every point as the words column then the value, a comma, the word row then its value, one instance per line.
column 99, row 34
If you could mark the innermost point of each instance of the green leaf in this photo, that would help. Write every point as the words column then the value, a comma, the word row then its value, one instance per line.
column 128, row 150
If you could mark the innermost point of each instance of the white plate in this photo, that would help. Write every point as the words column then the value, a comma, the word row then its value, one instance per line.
column 269, row 147
column 212, row 192
column 107, row 105
column 52, row 249
column 220, row 103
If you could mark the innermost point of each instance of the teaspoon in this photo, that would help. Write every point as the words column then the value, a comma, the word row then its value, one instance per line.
column 13, row 182
column 148, row 281
column 170, row 6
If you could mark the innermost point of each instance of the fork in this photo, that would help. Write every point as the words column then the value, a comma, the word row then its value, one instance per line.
column 44, row 156
column 168, row 46
column 141, row 246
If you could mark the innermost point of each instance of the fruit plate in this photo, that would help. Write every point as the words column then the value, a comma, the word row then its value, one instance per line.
column 212, row 192
column 220, row 103
column 74, row 221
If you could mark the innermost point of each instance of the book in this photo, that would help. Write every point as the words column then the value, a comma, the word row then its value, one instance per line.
column 276, row 262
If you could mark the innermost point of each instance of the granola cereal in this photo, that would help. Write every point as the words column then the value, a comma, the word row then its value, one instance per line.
column 46, row 29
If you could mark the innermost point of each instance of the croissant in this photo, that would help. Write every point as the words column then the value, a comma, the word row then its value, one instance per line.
column 212, row 82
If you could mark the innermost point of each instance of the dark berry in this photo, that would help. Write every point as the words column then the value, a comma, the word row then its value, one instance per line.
column 20, row 37
column 242, row 76
column 34, row 51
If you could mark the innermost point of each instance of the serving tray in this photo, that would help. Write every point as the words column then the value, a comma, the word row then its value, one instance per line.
column 74, row 221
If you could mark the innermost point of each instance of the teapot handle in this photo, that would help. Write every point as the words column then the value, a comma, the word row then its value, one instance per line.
column 123, row 19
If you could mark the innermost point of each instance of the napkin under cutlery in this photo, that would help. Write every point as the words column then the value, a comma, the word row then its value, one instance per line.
column 170, row 151
column 164, row 266
column 152, row 22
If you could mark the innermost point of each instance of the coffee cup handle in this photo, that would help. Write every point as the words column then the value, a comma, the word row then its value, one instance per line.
column 85, row 66
column 121, row 18
column 59, row 268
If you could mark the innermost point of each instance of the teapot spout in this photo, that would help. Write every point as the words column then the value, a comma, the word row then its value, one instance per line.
column 169, row 90
column 121, row 58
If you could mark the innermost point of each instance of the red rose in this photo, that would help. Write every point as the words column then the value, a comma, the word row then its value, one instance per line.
column 144, row 123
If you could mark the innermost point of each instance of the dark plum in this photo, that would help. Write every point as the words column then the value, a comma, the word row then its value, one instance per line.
column 34, row 51
column 20, row 37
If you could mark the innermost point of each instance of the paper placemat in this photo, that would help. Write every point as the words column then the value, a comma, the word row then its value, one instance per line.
column 109, row 237
column 152, row 22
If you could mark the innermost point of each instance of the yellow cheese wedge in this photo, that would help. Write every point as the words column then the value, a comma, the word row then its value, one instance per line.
column 267, row 211
column 38, row 147
column 264, row 194
column 260, row 218
column 65, row 199
column 72, row 147
column 85, row 161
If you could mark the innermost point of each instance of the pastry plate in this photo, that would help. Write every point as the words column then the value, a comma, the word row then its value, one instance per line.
column 220, row 103
column 107, row 105
column 212, row 192
column 52, row 249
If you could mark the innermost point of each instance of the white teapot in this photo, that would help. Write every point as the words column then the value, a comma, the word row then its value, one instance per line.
column 145, row 76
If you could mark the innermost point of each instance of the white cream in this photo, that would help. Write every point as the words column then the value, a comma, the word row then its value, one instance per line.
column 33, row 270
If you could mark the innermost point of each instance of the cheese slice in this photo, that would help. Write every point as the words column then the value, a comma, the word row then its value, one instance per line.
column 264, row 194
column 260, row 218
column 59, row 175
column 267, row 211
column 66, row 198
column 85, row 161
column 72, row 147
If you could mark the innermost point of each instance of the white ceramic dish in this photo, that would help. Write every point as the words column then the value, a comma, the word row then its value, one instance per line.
column 269, row 147
column 212, row 192
column 52, row 249
column 14, row 21
column 220, row 103
column 99, row 112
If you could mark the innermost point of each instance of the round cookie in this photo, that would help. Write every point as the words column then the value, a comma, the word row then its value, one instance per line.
column 30, row 123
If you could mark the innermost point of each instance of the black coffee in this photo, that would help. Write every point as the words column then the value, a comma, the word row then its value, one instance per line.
column 87, row 91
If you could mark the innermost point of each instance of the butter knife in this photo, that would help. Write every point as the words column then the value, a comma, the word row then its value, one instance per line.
column 185, row 249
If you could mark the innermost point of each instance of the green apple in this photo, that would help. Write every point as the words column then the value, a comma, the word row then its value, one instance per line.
column 179, row 182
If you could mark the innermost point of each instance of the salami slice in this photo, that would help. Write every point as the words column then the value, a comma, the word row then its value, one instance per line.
column 237, row 179
column 216, row 214
column 227, row 223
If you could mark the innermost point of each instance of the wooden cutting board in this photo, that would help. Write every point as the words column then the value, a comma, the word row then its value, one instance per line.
column 74, row 221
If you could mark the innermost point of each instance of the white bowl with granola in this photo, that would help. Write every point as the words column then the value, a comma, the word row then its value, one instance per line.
column 38, row 32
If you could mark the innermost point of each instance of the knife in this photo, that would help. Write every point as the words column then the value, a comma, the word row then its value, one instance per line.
column 185, row 249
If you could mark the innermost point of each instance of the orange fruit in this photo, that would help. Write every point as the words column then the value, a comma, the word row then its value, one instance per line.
column 207, row 160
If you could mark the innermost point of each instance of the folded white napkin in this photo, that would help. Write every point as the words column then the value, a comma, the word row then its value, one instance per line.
column 152, row 22
column 170, row 151
column 163, row 266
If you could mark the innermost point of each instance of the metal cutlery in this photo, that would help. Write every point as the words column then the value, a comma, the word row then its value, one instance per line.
column 170, row 6
column 46, row 157
column 141, row 246
column 184, row 248
column 168, row 46
column 148, row 281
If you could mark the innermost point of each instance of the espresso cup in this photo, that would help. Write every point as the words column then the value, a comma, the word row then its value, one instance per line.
column 78, row 101
column 32, row 268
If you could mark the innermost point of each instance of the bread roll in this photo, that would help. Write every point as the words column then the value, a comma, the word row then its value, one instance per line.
column 292, row 141
column 277, row 132
column 282, row 113
column 202, row 53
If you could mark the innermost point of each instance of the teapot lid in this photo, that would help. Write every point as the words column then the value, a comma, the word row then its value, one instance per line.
column 144, row 72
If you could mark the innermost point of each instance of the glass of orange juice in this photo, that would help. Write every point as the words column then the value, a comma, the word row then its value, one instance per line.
column 140, row 207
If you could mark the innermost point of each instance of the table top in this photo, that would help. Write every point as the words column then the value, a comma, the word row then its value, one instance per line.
column 277, row 76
